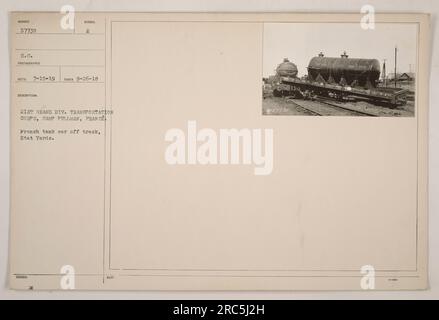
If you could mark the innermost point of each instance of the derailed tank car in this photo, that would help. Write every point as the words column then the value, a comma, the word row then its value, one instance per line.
column 287, row 69
column 284, row 69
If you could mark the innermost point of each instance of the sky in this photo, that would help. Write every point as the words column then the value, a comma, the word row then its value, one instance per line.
column 299, row 42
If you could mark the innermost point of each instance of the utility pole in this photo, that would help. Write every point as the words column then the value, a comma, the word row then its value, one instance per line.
column 396, row 56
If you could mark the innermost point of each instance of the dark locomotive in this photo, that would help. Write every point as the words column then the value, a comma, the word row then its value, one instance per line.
column 340, row 78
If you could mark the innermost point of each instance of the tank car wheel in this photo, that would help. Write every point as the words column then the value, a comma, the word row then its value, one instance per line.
column 277, row 93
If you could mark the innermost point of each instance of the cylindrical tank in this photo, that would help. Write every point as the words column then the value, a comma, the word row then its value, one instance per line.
column 286, row 69
column 351, row 69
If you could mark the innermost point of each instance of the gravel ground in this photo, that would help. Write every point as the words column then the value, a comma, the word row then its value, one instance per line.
column 281, row 106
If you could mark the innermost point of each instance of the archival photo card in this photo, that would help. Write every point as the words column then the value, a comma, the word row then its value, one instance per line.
column 144, row 155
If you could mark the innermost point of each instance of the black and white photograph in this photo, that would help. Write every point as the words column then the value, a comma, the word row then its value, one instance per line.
column 339, row 69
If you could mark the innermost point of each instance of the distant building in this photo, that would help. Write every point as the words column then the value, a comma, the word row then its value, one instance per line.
column 406, row 76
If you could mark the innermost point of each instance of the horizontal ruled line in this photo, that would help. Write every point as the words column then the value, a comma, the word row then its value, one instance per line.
column 59, row 65
column 59, row 82
column 60, row 33
column 56, row 49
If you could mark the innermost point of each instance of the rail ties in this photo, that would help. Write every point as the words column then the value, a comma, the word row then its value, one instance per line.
column 323, row 108
column 304, row 109
column 348, row 109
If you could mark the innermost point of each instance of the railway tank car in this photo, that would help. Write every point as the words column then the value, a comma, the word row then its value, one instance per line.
column 341, row 78
column 345, row 70
column 286, row 69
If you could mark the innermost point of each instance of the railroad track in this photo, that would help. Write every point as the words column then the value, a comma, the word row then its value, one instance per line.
column 319, row 110
column 304, row 109
column 347, row 109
